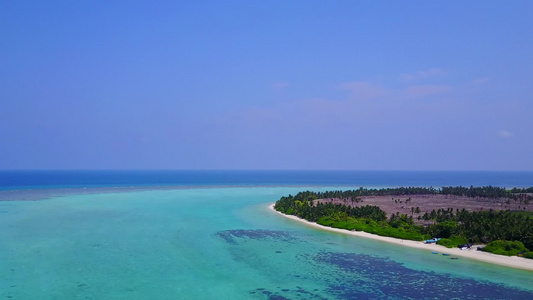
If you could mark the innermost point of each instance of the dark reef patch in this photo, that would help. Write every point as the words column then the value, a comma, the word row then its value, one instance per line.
column 277, row 297
column 368, row 277
column 231, row 236
column 287, row 294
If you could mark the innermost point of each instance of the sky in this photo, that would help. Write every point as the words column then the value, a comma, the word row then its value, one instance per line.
column 299, row 85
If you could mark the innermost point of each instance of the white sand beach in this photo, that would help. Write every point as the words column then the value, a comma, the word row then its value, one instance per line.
column 472, row 253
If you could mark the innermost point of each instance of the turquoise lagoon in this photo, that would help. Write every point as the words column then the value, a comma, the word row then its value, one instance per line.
column 217, row 243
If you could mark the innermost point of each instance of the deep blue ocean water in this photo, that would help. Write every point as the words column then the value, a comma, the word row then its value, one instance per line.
column 210, row 235
column 77, row 179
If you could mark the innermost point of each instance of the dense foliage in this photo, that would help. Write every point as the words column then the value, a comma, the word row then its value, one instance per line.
column 401, row 227
column 482, row 226
column 504, row 231
column 452, row 241
column 505, row 247
column 487, row 192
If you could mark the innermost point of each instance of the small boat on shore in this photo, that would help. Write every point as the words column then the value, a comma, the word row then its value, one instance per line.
column 431, row 241
column 434, row 252
column 446, row 254
column 464, row 246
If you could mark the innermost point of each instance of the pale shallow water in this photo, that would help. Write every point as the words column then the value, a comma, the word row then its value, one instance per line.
column 217, row 243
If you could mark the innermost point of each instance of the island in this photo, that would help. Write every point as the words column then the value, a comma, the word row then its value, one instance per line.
column 491, row 224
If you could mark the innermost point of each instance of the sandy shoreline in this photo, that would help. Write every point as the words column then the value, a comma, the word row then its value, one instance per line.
column 508, row 261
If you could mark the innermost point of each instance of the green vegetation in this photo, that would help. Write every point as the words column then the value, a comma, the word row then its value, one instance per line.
column 506, row 232
column 443, row 229
column 453, row 241
column 402, row 229
column 505, row 247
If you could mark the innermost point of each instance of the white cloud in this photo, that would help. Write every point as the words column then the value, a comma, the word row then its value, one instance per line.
column 421, row 74
column 504, row 133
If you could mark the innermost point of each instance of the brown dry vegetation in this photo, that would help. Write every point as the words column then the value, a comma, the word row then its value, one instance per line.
column 426, row 203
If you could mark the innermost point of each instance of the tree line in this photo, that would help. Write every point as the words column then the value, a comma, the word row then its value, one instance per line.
column 471, row 192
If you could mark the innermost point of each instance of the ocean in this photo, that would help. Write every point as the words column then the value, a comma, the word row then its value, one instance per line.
column 210, row 235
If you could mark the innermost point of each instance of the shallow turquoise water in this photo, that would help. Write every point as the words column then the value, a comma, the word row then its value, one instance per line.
column 216, row 243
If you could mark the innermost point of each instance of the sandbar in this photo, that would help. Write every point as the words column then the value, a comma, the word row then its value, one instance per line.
column 472, row 253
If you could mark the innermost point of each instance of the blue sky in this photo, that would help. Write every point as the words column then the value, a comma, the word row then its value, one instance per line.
column 359, row 85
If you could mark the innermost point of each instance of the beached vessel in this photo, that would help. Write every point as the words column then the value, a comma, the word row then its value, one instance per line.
column 433, row 240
